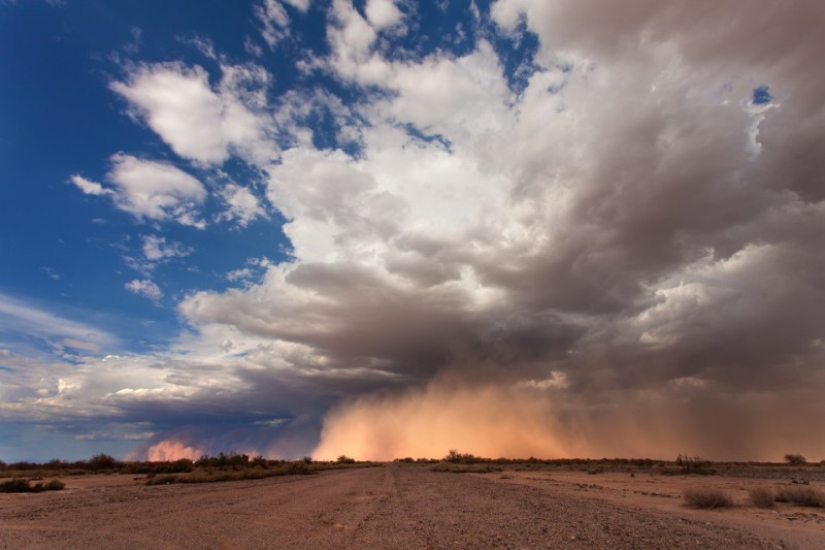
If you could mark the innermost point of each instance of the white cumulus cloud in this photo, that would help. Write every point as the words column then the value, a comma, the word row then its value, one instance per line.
column 197, row 122
column 89, row 187
column 145, row 287
column 383, row 14
column 158, row 248
column 156, row 190
column 242, row 205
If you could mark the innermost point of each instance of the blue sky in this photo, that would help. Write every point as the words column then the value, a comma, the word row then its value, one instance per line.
column 298, row 227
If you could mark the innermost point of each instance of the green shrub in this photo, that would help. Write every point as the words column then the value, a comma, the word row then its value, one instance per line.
column 707, row 498
column 801, row 496
column 762, row 497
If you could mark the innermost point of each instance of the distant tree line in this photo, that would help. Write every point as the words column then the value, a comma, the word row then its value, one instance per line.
column 104, row 463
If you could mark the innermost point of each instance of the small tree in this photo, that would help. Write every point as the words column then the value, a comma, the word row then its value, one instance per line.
column 102, row 462
column 795, row 459
column 454, row 457
column 692, row 464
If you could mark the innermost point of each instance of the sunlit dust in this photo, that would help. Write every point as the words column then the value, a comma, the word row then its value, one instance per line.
column 489, row 421
column 494, row 422
column 172, row 450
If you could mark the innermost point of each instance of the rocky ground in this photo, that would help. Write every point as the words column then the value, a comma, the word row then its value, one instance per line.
column 400, row 507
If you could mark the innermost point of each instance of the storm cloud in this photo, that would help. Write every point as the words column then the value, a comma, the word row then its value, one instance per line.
column 615, row 248
column 633, row 221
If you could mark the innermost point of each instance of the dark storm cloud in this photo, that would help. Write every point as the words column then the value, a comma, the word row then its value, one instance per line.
column 627, row 257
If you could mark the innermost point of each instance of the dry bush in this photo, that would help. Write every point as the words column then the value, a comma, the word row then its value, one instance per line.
column 17, row 485
column 762, row 497
column 707, row 498
column 232, row 473
column 801, row 496
column 694, row 465
column 465, row 468
column 162, row 480
column 300, row 468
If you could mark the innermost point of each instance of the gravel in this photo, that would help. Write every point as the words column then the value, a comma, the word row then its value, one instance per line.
column 393, row 507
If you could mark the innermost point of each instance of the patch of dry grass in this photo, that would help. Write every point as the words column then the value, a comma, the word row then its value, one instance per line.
column 762, row 497
column 801, row 496
column 24, row 486
column 465, row 468
column 707, row 498
column 213, row 475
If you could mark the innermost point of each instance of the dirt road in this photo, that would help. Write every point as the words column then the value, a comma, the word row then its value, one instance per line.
column 393, row 507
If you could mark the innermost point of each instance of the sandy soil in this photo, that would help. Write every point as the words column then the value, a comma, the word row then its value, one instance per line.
column 400, row 507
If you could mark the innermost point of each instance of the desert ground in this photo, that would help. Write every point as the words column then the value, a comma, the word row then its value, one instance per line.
column 403, row 506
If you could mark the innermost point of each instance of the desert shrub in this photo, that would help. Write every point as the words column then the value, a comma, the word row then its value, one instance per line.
column 460, row 468
column 223, row 460
column 218, row 474
column 762, row 497
column 344, row 459
column 260, row 462
column 17, row 485
column 102, row 462
column 181, row 465
column 56, row 464
column 694, row 465
column 23, row 466
column 300, row 468
column 454, row 457
column 54, row 485
column 795, row 459
column 801, row 496
column 707, row 498
column 162, row 480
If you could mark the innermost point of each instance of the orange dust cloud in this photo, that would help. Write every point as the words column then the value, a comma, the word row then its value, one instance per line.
column 488, row 421
column 509, row 422
column 172, row 450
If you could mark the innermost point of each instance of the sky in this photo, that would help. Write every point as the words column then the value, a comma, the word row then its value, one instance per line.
column 390, row 228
